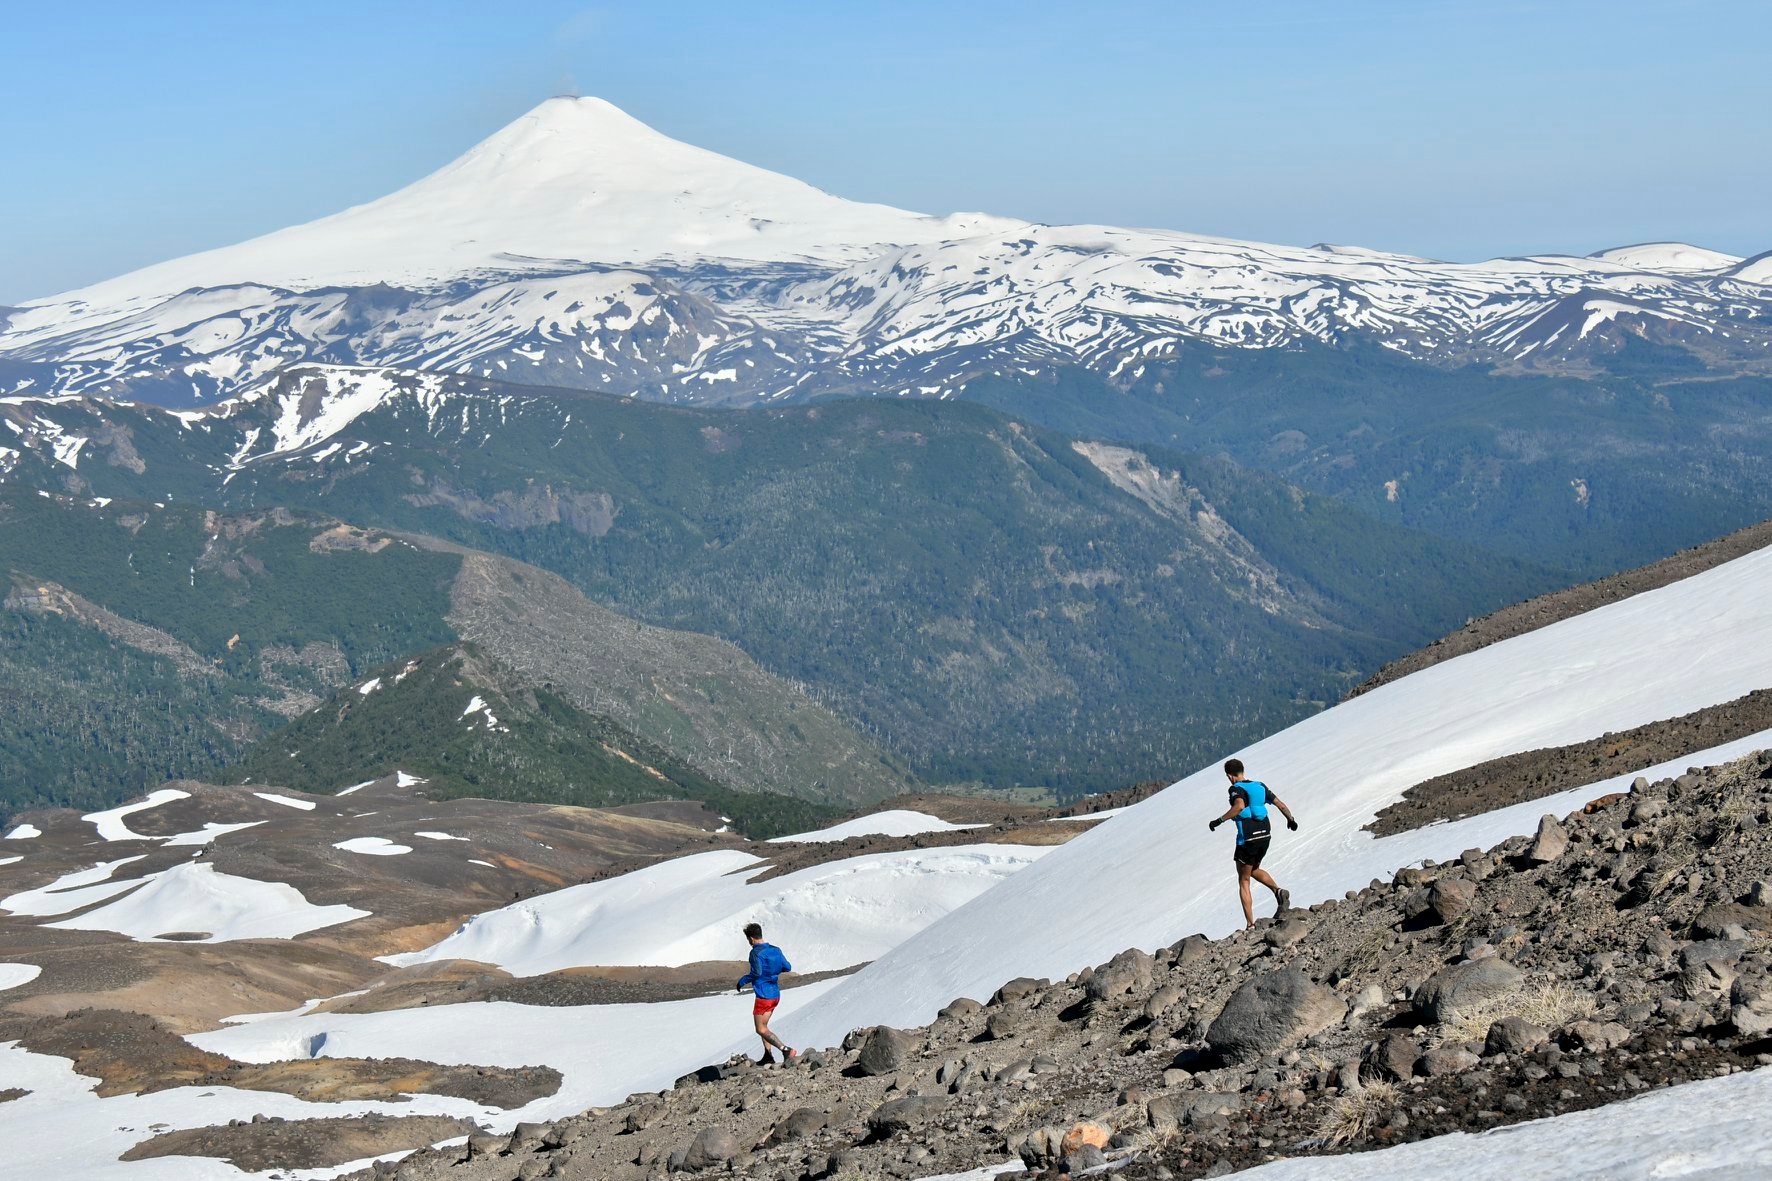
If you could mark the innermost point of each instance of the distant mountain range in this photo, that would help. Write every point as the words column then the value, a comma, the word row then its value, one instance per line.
column 579, row 248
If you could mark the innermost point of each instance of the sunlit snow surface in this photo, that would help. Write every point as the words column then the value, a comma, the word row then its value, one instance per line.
column 1154, row 873
column 195, row 899
column 373, row 846
column 693, row 908
column 896, row 822
column 13, row 975
column 110, row 822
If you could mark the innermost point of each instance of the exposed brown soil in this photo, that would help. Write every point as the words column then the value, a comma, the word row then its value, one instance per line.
column 1535, row 774
column 130, row 1053
column 1565, row 604
column 784, row 859
column 302, row 1144
column 575, row 986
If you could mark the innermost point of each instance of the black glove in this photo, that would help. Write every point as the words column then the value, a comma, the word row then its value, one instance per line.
column 1291, row 824
column 1213, row 824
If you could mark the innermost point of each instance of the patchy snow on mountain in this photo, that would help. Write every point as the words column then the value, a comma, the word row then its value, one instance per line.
column 14, row 974
column 373, row 846
column 209, row 832
column 826, row 917
column 110, row 823
column 71, row 891
column 194, row 900
column 24, row 832
column 894, row 822
column 286, row 801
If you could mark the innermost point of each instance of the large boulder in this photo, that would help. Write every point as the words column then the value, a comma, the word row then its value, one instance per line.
column 1550, row 842
column 1444, row 1060
column 904, row 1115
column 711, row 1147
column 1465, row 985
column 1130, row 971
column 1017, row 989
column 883, row 1052
column 1514, row 1035
column 1270, row 1012
column 1392, row 1057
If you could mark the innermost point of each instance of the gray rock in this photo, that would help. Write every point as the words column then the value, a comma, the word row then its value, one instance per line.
column 960, row 1008
column 1129, row 971
column 711, row 1146
column 1657, row 945
column 1451, row 898
column 1017, row 989
column 1445, row 1060
column 1367, row 1000
column 1164, row 999
column 1086, row 1157
column 803, row 1122
column 1595, row 1035
column 1759, row 894
column 1720, row 920
column 884, row 1052
column 1465, row 985
column 906, row 1114
column 1514, row 1035
column 1003, row 1024
column 1724, row 951
column 1270, row 1012
column 1192, row 949
column 1286, row 933
column 1751, row 1013
column 1550, row 843
column 1704, row 980
column 1393, row 1057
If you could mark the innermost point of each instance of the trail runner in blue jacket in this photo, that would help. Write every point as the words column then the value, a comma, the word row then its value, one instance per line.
column 767, row 965
column 1250, row 799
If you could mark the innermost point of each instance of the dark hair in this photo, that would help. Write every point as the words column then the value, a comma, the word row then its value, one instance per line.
column 1233, row 767
column 753, row 931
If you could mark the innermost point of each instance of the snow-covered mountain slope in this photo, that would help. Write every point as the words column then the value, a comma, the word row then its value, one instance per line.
column 834, row 916
column 1153, row 874
column 578, row 246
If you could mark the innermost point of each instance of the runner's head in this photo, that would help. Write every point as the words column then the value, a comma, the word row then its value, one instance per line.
column 753, row 932
column 1233, row 768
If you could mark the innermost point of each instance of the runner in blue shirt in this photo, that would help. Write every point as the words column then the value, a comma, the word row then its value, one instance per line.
column 767, row 965
column 1250, row 799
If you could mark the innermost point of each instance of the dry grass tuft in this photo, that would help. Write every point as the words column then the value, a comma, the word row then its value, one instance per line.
column 1354, row 1117
column 1550, row 1003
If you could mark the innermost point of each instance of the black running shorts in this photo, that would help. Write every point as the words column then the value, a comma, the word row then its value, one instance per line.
column 1250, row 853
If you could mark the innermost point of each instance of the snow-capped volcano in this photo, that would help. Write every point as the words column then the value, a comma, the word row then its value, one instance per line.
column 578, row 247
column 575, row 181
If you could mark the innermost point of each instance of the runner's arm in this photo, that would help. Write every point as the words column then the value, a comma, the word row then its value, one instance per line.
column 1231, row 812
column 1276, row 801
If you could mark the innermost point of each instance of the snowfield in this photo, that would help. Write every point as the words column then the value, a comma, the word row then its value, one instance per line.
column 895, row 822
column 692, row 909
column 194, row 898
column 110, row 823
column 1154, row 874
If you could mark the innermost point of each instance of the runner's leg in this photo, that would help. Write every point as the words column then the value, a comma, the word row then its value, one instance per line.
column 1243, row 872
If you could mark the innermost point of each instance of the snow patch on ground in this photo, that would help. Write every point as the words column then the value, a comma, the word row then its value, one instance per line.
column 438, row 836
column 13, row 975
column 210, row 830
column 402, row 779
column 370, row 686
column 24, row 832
column 71, row 891
column 304, row 805
column 356, row 787
column 898, row 822
column 373, row 846
column 195, row 898
column 690, row 909
column 1711, row 1130
column 110, row 822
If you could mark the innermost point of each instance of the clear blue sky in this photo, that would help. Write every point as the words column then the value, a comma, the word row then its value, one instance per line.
column 136, row 131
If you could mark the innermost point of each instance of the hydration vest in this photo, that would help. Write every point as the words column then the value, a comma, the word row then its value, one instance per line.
column 1252, row 821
